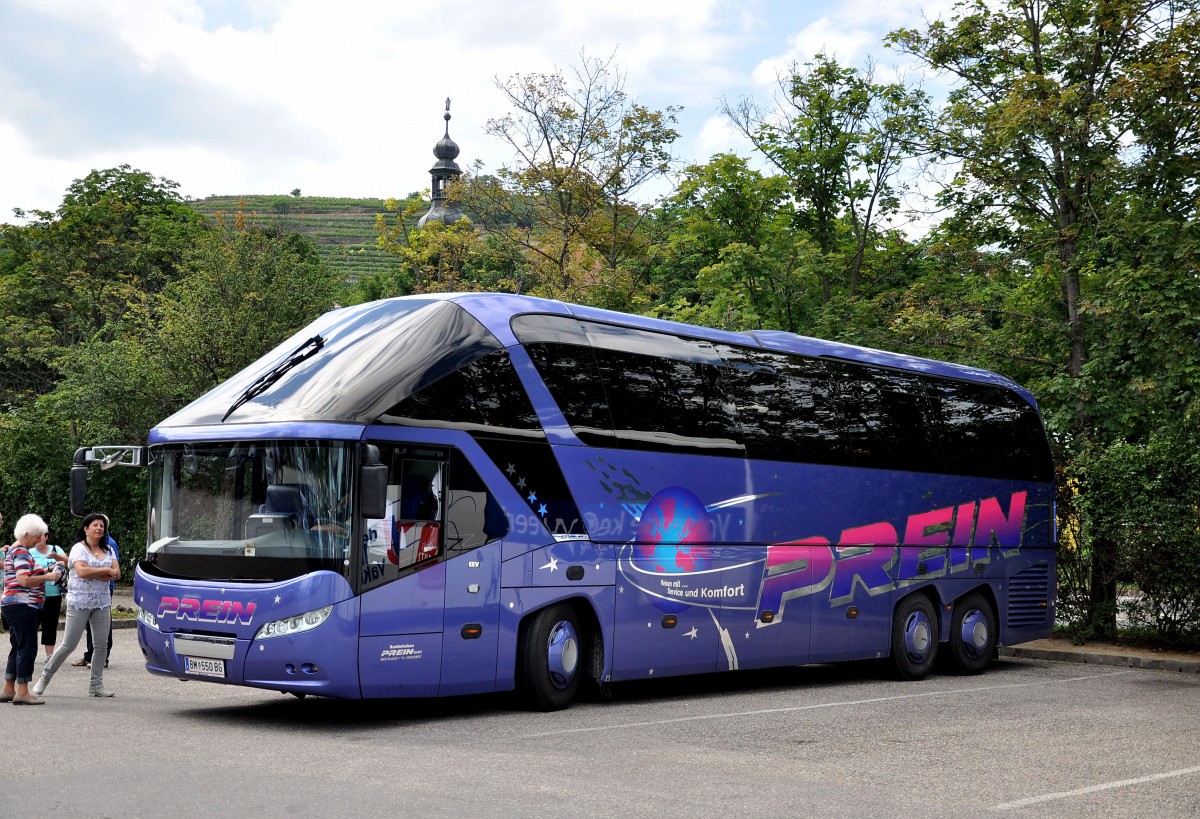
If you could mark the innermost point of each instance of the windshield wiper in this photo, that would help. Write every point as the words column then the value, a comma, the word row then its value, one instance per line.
column 305, row 351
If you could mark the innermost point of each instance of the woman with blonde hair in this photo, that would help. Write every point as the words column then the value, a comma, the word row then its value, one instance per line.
column 93, row 565
column 24, row 593
column 50, row 557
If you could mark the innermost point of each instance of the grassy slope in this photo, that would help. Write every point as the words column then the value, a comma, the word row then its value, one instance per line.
column 342, row 229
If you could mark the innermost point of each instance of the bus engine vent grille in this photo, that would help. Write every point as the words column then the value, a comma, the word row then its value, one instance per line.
column 1029, row 596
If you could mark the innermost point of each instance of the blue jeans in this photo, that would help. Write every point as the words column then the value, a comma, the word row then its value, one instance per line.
column 22, row 622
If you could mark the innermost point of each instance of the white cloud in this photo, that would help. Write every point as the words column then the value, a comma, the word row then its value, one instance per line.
column 341, row 99
column 719, row 136
column 825, row 36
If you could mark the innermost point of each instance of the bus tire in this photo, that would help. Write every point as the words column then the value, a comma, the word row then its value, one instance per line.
column 972, row 634
column 914, row 638
column 551, row 658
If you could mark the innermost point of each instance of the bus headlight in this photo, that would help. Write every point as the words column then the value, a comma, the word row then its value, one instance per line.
column 294, row 625
column 144, row 616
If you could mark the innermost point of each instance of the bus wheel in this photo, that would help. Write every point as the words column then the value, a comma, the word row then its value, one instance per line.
column 550, row 654
column 914, row 638
column 972, row 634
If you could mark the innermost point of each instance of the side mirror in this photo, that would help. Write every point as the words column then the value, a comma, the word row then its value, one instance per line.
column 372, row 485
column 79, row 476
column 107, row 457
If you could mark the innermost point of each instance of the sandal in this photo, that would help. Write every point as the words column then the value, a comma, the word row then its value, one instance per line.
column 81, row 663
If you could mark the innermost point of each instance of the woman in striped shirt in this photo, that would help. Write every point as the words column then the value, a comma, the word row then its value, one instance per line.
column 24, row 582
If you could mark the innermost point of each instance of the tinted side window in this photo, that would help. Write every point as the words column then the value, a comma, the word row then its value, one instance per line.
column 668, row 404
column 785, row 406
column 473, row 516
column 989, row 431
column 633, row 388
column 563, row 357
column 533, row 471
column 570, row 373
column 887, row 421
column 484, row 394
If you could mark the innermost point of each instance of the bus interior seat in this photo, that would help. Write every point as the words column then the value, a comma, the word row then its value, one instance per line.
column 290, row 499
column 417, row 501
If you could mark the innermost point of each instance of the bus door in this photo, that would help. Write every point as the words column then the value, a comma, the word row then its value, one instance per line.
column 431, row 579
column 474, row 525
column 403, row 580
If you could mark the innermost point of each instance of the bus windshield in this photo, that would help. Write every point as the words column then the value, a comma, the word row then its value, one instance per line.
column 250, row 511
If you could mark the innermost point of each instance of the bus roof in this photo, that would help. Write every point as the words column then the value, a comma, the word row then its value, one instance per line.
column 352, row 364
column 495, row 310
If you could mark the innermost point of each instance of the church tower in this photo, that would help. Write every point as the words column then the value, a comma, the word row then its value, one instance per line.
column 444, row 171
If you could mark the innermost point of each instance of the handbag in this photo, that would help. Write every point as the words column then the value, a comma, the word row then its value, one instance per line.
column 62, row 582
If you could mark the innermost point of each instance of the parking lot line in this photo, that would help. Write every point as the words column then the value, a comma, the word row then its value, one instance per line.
column 1033, row 800
column 814, row 706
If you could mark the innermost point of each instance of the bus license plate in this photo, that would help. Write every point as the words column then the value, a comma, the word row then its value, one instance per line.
column 204, row 666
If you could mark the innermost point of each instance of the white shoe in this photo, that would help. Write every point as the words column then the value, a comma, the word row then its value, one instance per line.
column 101, row 692
column 39, row 687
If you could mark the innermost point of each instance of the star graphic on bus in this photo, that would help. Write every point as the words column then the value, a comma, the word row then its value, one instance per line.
column 542, row 509
column 694, row 633
column 552, row 565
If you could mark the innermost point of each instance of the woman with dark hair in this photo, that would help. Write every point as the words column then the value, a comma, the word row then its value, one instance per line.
column 24, row 582
column 93, row 565
column 86, row 659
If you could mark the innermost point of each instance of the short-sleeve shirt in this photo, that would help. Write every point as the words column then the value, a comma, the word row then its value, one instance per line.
column 48, row 564
column 88, row 593
column 18, row 561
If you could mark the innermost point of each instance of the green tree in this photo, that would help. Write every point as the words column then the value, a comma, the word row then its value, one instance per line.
column 1142, row 498
column 70, row 274
column 243, row 292
column 1073, row 128
column 968, row 302
column 729, row 258
column 1050, row 102
column 437, row 258
column 841, row 141
column 240, row 292
column 566, row 203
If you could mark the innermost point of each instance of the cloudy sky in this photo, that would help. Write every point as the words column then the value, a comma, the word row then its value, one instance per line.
column 345, row 97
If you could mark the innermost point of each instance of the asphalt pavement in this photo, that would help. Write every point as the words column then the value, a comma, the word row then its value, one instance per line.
column 1029, row 738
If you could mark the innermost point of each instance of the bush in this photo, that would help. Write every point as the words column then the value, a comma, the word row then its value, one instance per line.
column 1145, row 498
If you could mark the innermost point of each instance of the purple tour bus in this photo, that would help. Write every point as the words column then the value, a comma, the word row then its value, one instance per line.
column 464, row 493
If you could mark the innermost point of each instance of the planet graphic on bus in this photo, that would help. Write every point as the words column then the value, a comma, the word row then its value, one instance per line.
column 673, row 534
